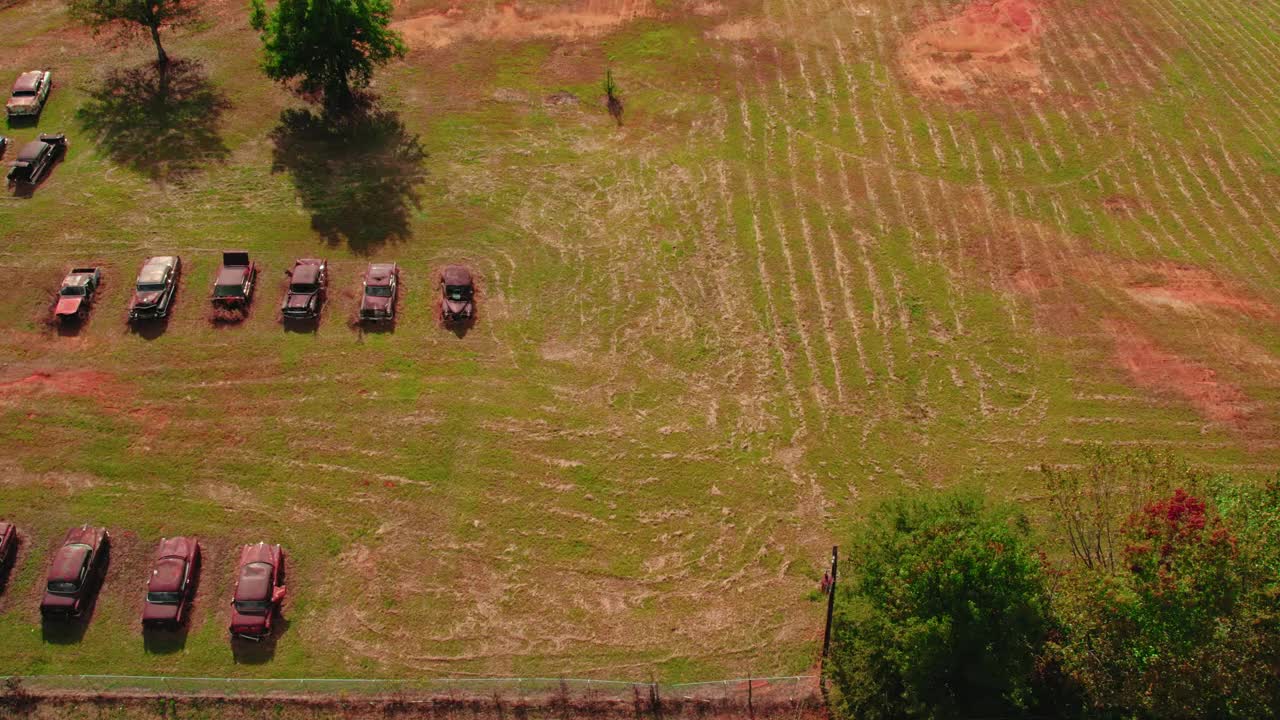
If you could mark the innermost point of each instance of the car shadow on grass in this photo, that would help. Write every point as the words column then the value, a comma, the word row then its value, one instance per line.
column 258, row 652
column 150, row 329
column 460, row 328
column 70, row 328
column 161, row 120
column 357, row 172
column 309, row 326
column 7, row 563
column 165, row 641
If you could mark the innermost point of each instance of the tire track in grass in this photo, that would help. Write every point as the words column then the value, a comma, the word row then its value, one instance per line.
column 778, row 339
column 775, row 130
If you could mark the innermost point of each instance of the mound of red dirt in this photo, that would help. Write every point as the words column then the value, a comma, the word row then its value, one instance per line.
column 989, row 47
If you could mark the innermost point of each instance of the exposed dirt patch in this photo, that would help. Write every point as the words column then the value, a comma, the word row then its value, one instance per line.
column 990, row 46
column 1124, row 205
column 1152, row 367
column 516, row 21
column 82, row 383
column 1190, row 289
column 744, row 29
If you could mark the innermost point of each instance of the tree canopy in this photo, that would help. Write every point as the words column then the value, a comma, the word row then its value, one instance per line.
column 137, row 15
column 944, row 615
column 331, row 47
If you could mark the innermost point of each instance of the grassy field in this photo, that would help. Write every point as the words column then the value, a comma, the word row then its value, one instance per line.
column 824, row 260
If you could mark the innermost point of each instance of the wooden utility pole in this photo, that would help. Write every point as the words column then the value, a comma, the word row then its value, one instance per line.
column 831, row 599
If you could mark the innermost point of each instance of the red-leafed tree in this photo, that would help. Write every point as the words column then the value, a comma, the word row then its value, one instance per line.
column 1186, row 627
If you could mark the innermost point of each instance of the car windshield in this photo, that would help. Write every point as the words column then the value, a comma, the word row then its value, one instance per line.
column 150, row 287
column 164, row 598
column 227, row 290
column 64, row 587
column 302, row 288
column 73, row 291
column 377, row 290
column 252, row 607
column 24, row 93
column 457, row 292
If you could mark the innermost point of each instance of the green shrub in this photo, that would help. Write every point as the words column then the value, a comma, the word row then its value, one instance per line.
column 944, row 613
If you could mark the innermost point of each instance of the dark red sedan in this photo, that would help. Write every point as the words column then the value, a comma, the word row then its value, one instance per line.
column 170, row 585
column 259, row 591
column 76, row 572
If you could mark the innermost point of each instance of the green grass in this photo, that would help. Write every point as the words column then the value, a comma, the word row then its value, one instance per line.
column 676, row 399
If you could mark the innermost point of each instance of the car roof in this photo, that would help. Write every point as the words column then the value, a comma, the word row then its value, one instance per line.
column 306, row 273
column 32, row 151
column 255, row 581
column 5, row 527
column 167, row 574
column 28, row 81
column 68, row 561
column 456, row 275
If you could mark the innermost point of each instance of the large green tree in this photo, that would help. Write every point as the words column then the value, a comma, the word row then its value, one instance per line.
column 330, row 46
column 129, row 16
column 944, row 615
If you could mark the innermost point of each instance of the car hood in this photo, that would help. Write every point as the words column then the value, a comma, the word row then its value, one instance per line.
column 159, row 612
column 58, row 602
column 69, row 305
column 373, row 302
column 298, row 301
column 457, row 306
column 143, row 299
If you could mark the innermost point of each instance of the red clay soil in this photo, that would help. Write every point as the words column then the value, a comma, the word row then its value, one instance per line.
column 82, row 383
column 989, row 47
column 1155, row 368
column 519, row 21
column 1185, row 287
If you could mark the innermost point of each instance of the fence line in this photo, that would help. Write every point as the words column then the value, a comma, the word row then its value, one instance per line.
column 790, row 688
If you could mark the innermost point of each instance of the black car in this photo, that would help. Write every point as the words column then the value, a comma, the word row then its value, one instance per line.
column 36, row 158
column 156, row 287
column 308, row 281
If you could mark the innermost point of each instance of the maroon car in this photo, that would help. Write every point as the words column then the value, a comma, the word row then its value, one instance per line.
column 234, row 283
column 173, row 575
column 381, row 285
column 259, row 591
column 458, row 290
column 76, row 572
column 308, row 281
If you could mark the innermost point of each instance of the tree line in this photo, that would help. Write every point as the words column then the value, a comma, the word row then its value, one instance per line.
column 1151, row 590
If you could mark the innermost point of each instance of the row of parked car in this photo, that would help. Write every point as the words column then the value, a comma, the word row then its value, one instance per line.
column 26, row 99
column 79, row 566
column 156, row 289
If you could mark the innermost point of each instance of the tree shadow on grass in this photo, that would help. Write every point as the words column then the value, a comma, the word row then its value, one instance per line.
column 161, row 120
column 357, row 172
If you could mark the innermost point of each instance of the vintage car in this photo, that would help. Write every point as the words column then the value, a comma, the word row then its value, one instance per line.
column 308, row 281
column 170, row 585
column 156, row 288
column 36, row 158
column 29, row 94
column 458, row 293
column 76, row 572
column 4, row 145
column 259, row 591
column 381, row 285
column 233, row 286
column 76, row 295
column 8, row 545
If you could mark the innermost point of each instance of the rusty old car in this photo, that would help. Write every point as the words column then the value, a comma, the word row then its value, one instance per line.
column 172, row 582
column 76, row 572
column 259, row 591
